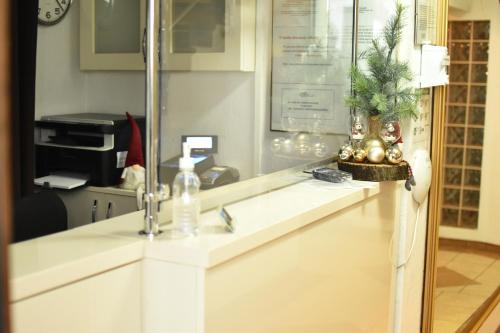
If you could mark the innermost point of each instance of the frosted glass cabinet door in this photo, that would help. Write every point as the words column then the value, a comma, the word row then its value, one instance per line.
column 197, row 35
column 111, row 34
column 217, row 35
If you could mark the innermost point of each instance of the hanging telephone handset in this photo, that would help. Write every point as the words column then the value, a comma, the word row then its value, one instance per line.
column 422, row 172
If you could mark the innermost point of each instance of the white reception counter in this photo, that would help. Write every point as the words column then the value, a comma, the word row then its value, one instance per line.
column 307, row 257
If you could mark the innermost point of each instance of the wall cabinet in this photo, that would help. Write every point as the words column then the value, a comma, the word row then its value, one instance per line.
column 111, row 34
column 203, row 35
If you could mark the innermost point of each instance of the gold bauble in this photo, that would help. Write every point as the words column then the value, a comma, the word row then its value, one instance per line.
column 359, row 155
column 394, row 155
column 373, row 143
column 375, row 154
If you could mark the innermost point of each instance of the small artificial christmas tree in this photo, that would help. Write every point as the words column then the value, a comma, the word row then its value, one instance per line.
column 382, row 90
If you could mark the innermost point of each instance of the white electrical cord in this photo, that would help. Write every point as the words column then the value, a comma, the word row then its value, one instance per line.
column 414, row 238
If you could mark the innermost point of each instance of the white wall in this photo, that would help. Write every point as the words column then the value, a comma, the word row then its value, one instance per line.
column 414, row 270
column 489, row 224
column 62, row 88
column 212, row 103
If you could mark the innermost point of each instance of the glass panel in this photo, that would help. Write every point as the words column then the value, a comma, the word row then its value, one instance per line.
column 471, row 198
column 451, row 197
column 480, row 51
column 454, row 156
column 479, row 73
column 474, row 157
column 456, row 114
column 476, row 115
column 460, row 51
column 198, row 27
column 482, row 30
column 452, row 176
column 455, row 135
column 477, row 95
column 117, row 27
column 459, row 73
column 457, row 93
column 221, row 104
column 472, row 178
column 460, row 30
column 449, row 217
column 475, row 136
column 469, row 219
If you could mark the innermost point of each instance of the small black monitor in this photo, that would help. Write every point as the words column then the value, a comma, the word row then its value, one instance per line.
column 201, row 144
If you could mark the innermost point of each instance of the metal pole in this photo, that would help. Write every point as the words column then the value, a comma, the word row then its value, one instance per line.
column 355, row 26
column 151, row 224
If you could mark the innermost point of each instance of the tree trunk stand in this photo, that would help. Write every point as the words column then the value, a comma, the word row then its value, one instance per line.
column 375, row 172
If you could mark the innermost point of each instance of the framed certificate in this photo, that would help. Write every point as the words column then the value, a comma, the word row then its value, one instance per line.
column 312, row 56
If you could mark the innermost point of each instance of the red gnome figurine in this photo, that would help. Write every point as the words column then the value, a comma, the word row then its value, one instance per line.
column 133, row 175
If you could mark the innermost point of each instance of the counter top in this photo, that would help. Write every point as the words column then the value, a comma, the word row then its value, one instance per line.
column 49, row 262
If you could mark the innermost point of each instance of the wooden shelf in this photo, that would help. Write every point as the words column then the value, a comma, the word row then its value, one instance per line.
column 375, row 172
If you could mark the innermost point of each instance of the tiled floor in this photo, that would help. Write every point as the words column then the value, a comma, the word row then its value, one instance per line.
column 464, row 281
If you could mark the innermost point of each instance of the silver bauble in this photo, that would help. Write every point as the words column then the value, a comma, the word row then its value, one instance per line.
column 320, row 149
column 303, row 148
column 375, row 154
column 287, row 146
column 359, row 127
column 390, row 132
column 346, row 152
column 359, row 155
column 394, row 155
column 276, row 145
column 302, row 138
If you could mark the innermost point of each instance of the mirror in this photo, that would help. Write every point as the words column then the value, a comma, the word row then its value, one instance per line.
column 242, row 120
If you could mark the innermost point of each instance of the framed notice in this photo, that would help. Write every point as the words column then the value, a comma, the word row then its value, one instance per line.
column 312, row 56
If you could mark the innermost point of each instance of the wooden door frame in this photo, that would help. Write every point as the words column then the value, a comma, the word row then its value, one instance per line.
column 5, row 158
column 437, row 158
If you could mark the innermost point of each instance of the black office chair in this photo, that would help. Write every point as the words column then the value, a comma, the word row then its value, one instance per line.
column 39, row 214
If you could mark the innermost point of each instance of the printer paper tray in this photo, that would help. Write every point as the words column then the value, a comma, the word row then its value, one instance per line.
column 64, row 180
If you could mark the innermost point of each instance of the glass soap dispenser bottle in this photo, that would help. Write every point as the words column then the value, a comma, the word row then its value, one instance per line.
column 185, row 197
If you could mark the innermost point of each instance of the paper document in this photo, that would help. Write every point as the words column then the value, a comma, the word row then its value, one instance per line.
column 65, row 181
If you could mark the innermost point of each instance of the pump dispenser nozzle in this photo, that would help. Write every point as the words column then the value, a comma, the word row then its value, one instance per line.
column 186, row 162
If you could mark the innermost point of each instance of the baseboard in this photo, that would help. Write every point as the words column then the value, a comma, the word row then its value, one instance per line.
column 476, row 320
column 486, row 249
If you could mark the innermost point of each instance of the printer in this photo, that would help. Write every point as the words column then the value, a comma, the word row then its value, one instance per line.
column 90, row 144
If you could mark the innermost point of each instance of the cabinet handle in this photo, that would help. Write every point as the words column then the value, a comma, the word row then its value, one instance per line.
column 109, row 211
column 144, row 45
column 94, row 211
